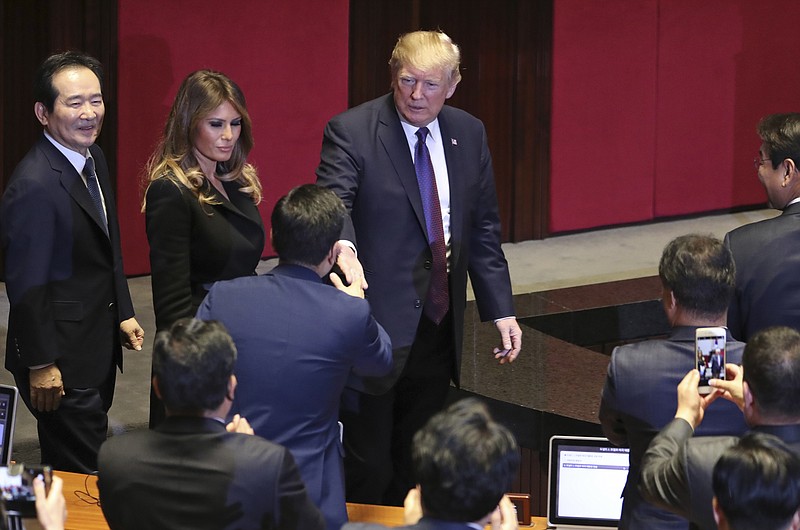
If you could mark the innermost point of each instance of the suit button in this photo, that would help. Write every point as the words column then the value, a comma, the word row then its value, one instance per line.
column 428, row 264
column 112, row 306
column 417, row 303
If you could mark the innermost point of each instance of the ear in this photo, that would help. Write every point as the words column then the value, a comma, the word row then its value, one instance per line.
column 231, row 387
column 156, row 387
column 719, row 516
column 271, row 241
column 332, row 255
column 41, row 112
column 451, row 90
column 750, row 408
column 791, row 169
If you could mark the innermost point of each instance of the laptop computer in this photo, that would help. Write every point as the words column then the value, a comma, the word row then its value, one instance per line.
column 8, row 415
column 586, row 477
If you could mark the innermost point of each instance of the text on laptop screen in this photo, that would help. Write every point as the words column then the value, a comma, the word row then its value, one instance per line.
column 590, row 481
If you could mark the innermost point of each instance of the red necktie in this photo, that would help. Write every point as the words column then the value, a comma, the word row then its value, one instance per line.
column 438, row 302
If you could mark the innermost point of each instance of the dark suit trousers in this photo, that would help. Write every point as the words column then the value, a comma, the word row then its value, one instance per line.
column 70, row 437
column 378, row 430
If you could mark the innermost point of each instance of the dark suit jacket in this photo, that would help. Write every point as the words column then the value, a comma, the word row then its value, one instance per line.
column 192, row 246
column 191, row 473
column 366, row 160
column 64, row 276
column 298, row 342
column 640, row 397
column 424, row 524
column 767, row 256
column 677, row 469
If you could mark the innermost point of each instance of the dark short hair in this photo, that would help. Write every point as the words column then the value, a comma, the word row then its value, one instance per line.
column 700, row 271
column 193, row 362
column 757, row 483
column 464, row 462
column 306, row 222
column 771, row 363
column 781, row 136
column 43, row 89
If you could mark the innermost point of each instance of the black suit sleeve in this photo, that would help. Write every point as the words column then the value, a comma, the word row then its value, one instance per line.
column 169, row 232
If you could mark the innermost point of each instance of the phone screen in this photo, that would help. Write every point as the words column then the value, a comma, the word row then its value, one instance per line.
column 710, row 357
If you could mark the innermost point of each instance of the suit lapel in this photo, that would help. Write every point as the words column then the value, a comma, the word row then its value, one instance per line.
column 454, row 160
column 393, row 139
column 73, row 183
column 236, row 203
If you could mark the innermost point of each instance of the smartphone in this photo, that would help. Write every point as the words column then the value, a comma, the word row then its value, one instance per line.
column 16, row 487
column 710, row 361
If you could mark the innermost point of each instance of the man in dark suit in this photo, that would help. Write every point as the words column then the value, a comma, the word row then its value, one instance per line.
column 677, row 468
column 463, row 463
column 193, row 471
column 767, row 253
column 69, row 298
column 697, row 275
column 416, row 177
column 301, row 341
column 757, row 485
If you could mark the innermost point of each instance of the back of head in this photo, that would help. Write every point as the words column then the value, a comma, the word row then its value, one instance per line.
column 43, row 89
column 700, row 272
column 426, row 50
column 464, row 462
column 771, row 363
column 306, row 222
column 781, row 136
column 757, row 483
column 193, row 362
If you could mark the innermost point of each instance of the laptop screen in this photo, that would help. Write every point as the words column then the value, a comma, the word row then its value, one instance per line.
column 8, row 409
column 586, row 478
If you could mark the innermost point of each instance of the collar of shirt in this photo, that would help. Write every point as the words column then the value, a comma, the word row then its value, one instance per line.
column 796, row 199
column 75, row 158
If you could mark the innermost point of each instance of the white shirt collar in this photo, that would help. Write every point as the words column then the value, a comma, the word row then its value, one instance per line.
column 75, row 158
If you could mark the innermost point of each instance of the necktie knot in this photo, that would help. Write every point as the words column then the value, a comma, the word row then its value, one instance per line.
column 88, row 169
column 422, row 134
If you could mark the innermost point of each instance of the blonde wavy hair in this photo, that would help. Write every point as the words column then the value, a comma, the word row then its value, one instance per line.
column 199, row 95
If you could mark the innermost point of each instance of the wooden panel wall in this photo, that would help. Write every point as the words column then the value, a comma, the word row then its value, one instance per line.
column 32, row 30
column 506, row 48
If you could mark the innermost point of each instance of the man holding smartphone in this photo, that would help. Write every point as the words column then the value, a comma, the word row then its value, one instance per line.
column 677, row 468
column 697, row 275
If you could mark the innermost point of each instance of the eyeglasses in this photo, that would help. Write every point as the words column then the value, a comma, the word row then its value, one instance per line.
column 758, row 161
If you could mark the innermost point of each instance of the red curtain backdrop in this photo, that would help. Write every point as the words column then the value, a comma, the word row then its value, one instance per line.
column 289, row 58
column 655, row 104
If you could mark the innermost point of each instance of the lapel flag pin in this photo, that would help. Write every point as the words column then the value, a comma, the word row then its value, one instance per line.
column 453, row 141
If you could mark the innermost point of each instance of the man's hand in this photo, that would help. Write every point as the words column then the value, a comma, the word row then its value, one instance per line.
column 51, row 508
column 412, row 507
column 239, row 424
column 132, row 334
column 510, row 338
column 691, row 405
column 348, row 263
column 46, row 388
column 505, row 515
column 732, row 388
column 354, row 289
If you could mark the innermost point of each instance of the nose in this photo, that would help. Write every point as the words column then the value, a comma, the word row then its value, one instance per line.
column 227, row 132
column 88, row 112
column 416, row 93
